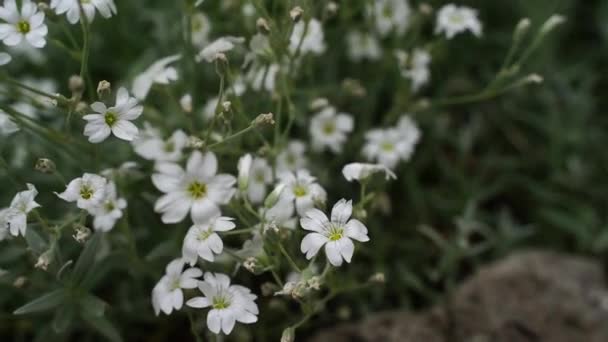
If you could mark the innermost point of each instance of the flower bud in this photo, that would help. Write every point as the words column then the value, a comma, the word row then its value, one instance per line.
column 314, row 283
column 227, row 106
column 318, row 103
column 195, row 142
column 244, row 168
column 274, row 196
column 288, row 335
column 263, row 119
column 551, row 23
column 45, row 165
column 296, row 13
column 331, row 8
column 186, row 103
column 378, row 278
column 76, row 85
column 82, row 233
column 104, row 88
column 44, row 260
column 425, row 8
column 521, row 29
column 250, row 264
column 534, row 78
column 263, row 26
column 20, row 282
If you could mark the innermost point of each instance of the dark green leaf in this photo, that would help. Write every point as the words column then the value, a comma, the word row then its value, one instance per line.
column 35, row 241
column 104, row 327
column 63, row 317
column 86, row 259
column 92, row 306
column 46, row 302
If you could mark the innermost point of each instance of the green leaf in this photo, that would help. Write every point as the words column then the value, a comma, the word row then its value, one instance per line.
column 35, row 242
column 92, row 306
column 104, row 327
column 63, row 317
column 86, row 259
column 46, row 302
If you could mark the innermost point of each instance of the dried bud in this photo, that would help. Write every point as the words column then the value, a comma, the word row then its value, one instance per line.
column 82, row 233
column 195, row 142
column 45, row 165
column 44, row 260
column 273, row 197
column 76, row 85
column 186, row 103
column 534, row 78
column 425, row 8
column 264, row 119
column 263, row 26
column 314, row 283
column 318, row 103
column 250, row 264
column 296, row 13
column 331, row 9
column 551, row 23
column 220, row 57
column 378, row 278
column 20, row 282
column 227, row 106
column 104, row 88
column 354, row 87
column 81, row 107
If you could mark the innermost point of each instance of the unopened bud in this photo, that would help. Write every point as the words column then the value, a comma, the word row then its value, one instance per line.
column 44, row 260
column 551, row 23
column 314, row 283
column 250, row 264
column 274, row 196
column 76, row 85
column 244, row 167
column 45, row 165
column 104, row 88
column 288, row 335
column 81, row 107
column 82, row 233
column 227, row 106
column 425, row 8
column 263, row 26
column 186, row 103
column 296, row 13
column 20, row 282
column 534, row 78
column 354, row 87
column 44, row 7
column 318, row 103
column 195, row 142
column 521, row 29
column 264, row 119
column 332, row 8
column 378, row 278
column 221, row 57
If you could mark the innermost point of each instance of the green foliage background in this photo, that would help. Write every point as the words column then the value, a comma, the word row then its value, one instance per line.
column 524, row 169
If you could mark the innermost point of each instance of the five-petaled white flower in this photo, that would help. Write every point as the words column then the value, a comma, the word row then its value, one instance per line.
column 152, row 146
column 229, row 303
column 26, row 24
column 88, row 191
column 307, row 37
column 198, row 190
column 203, row 240
column 329, row 129
column 363, row 45
column 114, row 120
column 219, row 46
column 390, row 16
column 391, row 145
column 167, row 295
column 14, row 218
column 109, row 211
column 292, row 157
column 160, row 73
column 361, row 171
column 452, row 20
column 415, row 67
column 303, row 189
column 71, row 8
column 254, row 175
column 335, row 235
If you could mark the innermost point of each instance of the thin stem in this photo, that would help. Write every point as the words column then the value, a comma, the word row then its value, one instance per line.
column 233, row 136
column 195, row 333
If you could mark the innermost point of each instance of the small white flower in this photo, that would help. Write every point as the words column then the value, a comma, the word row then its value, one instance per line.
column 7, row 125
column 244, row 168
column 158, row 73
column 209, row 108
column 329, row 129
column 109, row 211
column 260, row 175
column 308, row 36
column 14, row 218
column 219, row 46
column 335, row 235
column 229, row 303
column 106, row 8
column 167, row 295
column 114, row 120
column 5, row 58
column 302, row 188
column 280, row 215
column 292, row 157
column 185, row 102
column 154, row 148
column 363, row 46
column 389, row 146
column 390, row 16
column 201, row 26
column 198, row 190
column 202, row 239
column 452, row 20
column 262, row 76
column 87, row 191
column 415, row 67
column 26, row 24
column 360, row 171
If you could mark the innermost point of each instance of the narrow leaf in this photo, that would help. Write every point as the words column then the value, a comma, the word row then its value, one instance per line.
column 86, row 259
column 46, row 302
column 104, row 327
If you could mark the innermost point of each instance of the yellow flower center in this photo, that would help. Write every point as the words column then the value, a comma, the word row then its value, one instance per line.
column 111, row 118
column 220, row 302
column 169, row 146
column 86, row 192
column 335, row 233
column 109, row 206
column 197, row 190
column 299, row 191
column 204, row 235
column 329, row 128
column 387, row 146
column 23, row 27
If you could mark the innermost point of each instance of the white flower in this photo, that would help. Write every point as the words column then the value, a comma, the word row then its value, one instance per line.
column 106, row 8
column 219, row 46
column 14, row 218
column 185, row 102
column 87, row 191
column 202, row 239
column 153, row 147
column 292, row 157
column 198, row 189
column 5, row 58
column 390, row 16
column 209, row 108
column 201, row 26
column 360, row 171
column 167, row 294
column 229, row 303
column 259, row 176
column 26, row 24
column 261, row 76
column 363, row 46
column 244, row 168
column 281, row 214
column 7, row 125
column 452, row 20
column 109, row 211
column 302, row 189
column 308, row 36
column 335, row 235
column 160, row 73
column 328, row 129
column 415, row 67
column 114, row 120
column 408, row 130
column 389, row 146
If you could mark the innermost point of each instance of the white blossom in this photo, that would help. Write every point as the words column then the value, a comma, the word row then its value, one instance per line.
column 5, row 58
column 361, row 171
column 198, row 189
column 158, row 73
column 7, row 125
column 114, row 120
column 88, row 191
column 329, row 129
column 260, row 176
column 391, row 145
column 219, row 46
column 229, row 303
column 308, row 36
column 109, row 211
column 363, row 45
column 14, row 218
column 153, row 147
column 302, row 189
column 201, row 26
column 167, row 295
column 71, row 8
column 292, row 157
column 334, row 234
column 27, row 24
column 390, row 16
column 415, row 67
column 452, row 20
column 202, row 239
